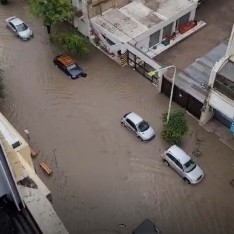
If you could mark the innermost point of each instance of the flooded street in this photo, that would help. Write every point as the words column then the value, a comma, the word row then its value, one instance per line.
column 103, row 175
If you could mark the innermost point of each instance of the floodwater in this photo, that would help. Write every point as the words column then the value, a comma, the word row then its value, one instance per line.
column 103, row 176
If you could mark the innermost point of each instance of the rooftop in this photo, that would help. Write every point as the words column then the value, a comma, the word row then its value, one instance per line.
column 136, row 18
column 194, row 79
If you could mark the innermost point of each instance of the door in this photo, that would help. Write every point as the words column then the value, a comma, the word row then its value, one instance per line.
column 180, row 97
column 194, row 106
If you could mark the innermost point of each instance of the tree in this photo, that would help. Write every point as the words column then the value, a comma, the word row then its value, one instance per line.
column 52, row 11
column 72, row 43
column 176, row 128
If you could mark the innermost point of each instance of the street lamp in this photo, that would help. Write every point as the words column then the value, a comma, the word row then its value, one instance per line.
column 152, row 73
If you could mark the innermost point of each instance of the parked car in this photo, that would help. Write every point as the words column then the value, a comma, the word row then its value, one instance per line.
column 68, row 65
column 19, row 28
column 138, row 126
column 178, row 160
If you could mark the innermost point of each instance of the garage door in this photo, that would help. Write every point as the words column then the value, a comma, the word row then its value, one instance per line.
column 182, row 98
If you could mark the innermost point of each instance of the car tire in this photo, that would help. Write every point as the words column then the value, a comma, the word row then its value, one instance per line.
column 186, row 181
column 166, row 163
column 140, row 138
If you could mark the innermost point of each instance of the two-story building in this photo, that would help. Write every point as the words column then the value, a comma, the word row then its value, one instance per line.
column 149, row 26
column 220, row 97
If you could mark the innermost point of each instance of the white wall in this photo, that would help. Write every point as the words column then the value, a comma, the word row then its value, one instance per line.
column 222, row 104
column 143, row 44
column 81, row 23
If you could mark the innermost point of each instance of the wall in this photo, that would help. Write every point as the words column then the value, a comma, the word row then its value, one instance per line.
column 222, row 104
column 143, row 44
column 97, row 7
column 4, row 189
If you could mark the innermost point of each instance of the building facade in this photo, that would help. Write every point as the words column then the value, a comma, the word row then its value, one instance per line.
column 149, row 26
column 220, row 98
column 24, row 199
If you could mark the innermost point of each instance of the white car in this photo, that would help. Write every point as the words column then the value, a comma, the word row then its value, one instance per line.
column 178, row 160
column 138, row 126
column 19, row 28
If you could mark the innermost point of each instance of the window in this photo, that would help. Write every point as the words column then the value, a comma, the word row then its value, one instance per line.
column 131, row 124
column 167, row 30
column 154, row 39
column 179, row 165
column 189, row 166
column 183, row 20
column 143, row 126
column 21, row 27
column 171, row 157
column 224, row 86
column 12, row 25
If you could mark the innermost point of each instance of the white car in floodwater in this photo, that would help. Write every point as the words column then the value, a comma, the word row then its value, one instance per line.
column 178, row 160
column 19, row 28
column 138, row 126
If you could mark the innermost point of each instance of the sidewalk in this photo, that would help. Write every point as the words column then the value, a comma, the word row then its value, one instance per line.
column 223, row 133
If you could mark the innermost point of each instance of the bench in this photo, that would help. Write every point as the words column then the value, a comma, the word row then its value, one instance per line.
column 46, row 168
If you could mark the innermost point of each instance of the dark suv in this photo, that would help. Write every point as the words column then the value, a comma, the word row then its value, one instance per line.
column 69, row 66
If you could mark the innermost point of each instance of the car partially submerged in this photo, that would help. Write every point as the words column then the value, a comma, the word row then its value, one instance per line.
column 182, row 163
column 138, row 126
column 19, row 28
column 68, row 65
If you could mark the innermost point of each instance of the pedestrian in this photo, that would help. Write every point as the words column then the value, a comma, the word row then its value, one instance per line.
column 48, row 26
column 47, row 23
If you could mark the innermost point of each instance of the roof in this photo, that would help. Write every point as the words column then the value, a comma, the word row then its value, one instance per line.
column 134, row 117
column 17, row 21
column 178, row 153
column 136, row 18
column 66, row 60
column 146, row 227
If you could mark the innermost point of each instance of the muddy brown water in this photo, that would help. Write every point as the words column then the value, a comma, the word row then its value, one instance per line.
column 103, row 176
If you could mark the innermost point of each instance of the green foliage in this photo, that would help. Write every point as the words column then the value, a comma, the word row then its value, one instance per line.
column 176, row 128
column 72, row 43
column 52, row 11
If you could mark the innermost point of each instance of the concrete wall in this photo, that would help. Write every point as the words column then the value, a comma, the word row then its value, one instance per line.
column 97, row 7
column 222, row 103
column 143, row 44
